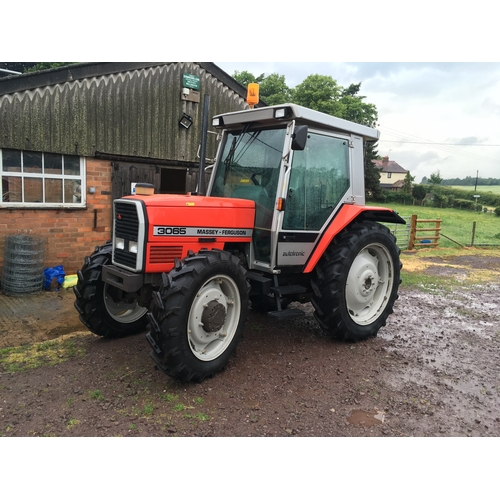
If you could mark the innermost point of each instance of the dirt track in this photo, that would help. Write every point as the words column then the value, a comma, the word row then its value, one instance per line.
column 432, row 371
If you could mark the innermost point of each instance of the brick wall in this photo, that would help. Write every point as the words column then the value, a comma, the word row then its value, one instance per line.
column 71, row 233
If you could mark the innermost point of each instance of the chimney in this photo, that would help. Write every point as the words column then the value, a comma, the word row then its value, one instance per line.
column 385, row 160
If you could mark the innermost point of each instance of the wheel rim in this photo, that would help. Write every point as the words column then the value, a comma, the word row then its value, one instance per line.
column 121, row 310
column 214, row 317
column 369, row 284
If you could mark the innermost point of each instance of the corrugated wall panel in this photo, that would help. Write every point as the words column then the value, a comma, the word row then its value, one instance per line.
column 132, row 113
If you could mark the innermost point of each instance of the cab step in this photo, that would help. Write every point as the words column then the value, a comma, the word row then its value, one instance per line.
column 286, row 314
column 288, row 290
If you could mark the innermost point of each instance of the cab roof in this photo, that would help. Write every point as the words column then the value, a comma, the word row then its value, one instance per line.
column 303, row 116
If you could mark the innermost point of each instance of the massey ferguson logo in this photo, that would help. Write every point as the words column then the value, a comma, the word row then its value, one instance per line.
column 201, row 232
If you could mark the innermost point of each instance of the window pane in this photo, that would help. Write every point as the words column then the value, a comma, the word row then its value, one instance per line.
column 53, row 163
column 72, row 191
column 33, row 190
column 53, row 191
column 32, row 162
column 11, row 160
column 71, row 165
column 12, row 189
column 318, row 181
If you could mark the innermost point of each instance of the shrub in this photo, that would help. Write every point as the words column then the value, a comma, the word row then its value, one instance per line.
column 398, row 197
column 497, row 211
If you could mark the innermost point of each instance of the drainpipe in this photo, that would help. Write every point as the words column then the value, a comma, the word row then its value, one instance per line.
column 203, row 149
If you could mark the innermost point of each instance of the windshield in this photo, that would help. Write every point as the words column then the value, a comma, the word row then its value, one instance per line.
column 250, row 159
column 249, row 168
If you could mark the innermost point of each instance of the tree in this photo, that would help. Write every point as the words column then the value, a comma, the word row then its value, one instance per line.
column 245, row 77
column 435, row 178
column 407, row 183
column 274, row 90
column 373, row 190
column 355, row 110
column 321, row 93
column 418, row 192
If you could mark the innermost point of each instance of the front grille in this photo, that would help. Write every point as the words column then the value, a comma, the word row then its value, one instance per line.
column 161, row 255
column 126, row 221
column 127, row 225
column 125, row 258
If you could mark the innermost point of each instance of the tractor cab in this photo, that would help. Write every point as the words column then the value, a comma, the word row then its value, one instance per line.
column 296, row 164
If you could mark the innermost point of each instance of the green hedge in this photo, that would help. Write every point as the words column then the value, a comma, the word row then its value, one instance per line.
column 461, row 194
column 397, row 197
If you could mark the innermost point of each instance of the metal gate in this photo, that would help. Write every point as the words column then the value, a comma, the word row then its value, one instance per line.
column 402, row 233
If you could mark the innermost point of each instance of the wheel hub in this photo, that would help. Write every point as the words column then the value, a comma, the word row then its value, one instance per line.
column 213, row 317
column 368, row 282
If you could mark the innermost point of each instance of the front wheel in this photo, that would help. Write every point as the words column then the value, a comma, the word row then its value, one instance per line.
column 198, row 315
column 356, row 282
column 104, row 309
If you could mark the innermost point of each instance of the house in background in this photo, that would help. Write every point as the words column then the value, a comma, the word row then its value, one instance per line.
column 74, row 138
column 391, row 174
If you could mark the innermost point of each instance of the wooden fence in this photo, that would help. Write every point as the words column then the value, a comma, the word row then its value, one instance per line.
column 424, row 236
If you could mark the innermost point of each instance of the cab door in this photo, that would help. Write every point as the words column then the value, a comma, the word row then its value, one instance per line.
column 319, row 183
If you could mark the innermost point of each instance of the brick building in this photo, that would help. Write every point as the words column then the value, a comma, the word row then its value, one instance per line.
column 72, row 139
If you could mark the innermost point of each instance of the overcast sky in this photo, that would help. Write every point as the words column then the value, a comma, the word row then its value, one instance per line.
column 454, row 108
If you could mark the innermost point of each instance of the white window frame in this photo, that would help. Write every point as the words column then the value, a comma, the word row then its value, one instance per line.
column 63, row 177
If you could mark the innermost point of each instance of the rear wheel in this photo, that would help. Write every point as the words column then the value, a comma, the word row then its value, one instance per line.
column 104, row 309
column 356, row 282
column 198, row 315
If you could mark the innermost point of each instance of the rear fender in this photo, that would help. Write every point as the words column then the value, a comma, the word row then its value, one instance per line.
column 347, row 215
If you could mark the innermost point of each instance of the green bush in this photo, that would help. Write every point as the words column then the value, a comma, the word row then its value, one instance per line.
column 467, row 205
column 398, row 197
column 497, row 211
column 441, row 200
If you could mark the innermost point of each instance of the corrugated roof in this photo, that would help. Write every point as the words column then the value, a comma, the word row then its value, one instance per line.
column 128, row 109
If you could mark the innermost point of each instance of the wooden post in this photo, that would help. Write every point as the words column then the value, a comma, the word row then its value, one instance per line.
column 473, row 233
column 438, row 232
column 413, row 230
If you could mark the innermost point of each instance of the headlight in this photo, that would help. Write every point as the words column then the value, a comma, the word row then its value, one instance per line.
column 120, row 243
column 132, row 246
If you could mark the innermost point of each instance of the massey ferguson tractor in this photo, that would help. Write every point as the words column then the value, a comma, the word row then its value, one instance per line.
column 283, row 221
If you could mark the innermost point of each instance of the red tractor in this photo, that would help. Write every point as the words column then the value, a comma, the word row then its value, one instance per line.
column 284, row 220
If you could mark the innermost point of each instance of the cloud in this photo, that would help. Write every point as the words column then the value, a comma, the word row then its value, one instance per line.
column 432, row 102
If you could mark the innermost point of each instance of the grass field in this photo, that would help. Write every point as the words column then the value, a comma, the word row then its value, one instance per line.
column 456, row 224
column 485, row 189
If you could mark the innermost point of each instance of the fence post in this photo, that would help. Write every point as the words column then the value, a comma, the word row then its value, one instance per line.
column 473, row 233
column 438, row 232
column 413, row 227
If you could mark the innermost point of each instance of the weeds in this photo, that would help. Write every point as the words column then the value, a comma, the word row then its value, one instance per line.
column 96, row 394
column 72, row 422
column 51, row 352
column 170, row 397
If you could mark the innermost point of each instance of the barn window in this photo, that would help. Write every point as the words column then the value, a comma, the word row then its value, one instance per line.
column 35, row 179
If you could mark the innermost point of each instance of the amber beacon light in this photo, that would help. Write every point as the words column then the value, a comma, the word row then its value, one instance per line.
column 252, row 94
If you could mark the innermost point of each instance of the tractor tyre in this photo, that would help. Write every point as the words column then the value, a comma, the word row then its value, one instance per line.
column 104, row 309
column 355, row 283
column 198, row 315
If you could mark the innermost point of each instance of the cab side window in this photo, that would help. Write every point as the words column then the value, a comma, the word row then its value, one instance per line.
column 318, row 181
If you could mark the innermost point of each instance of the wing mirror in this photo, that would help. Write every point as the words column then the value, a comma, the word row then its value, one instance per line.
column 299, row 137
